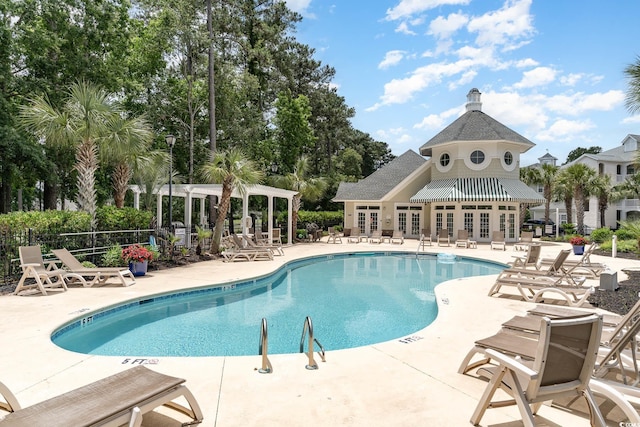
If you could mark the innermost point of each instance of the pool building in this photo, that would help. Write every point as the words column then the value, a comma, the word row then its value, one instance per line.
column 466, row 177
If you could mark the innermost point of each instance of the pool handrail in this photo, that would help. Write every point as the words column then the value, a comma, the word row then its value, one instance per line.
column 308, row 326
column 263, row 349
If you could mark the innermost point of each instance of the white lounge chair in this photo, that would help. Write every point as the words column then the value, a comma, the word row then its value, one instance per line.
column 46, row 277
column 117, row 400
column 93, row 275
column 497, row 240
column 443, row 237
column 397, row 237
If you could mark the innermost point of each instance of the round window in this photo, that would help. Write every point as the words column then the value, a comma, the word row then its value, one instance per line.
column 508, row 158
column 445, row 159
column 477, row 157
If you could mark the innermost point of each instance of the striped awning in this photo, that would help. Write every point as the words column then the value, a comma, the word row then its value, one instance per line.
column 477, row 190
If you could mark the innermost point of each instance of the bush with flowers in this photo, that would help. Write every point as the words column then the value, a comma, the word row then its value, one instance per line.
column 136, row 253
column 578, row 241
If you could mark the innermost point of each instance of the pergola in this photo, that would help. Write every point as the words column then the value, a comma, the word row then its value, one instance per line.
column 201, row 191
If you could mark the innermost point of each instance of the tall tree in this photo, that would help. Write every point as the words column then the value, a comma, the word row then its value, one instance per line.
column 563, row 190
column 88, row 119
column 304, row 185
column 581, row 176
column 294, row 135
column 234, row 171
column 577, row 152
column 548, row 174
column 530, row 176
column 632, row 99
column 602, row 190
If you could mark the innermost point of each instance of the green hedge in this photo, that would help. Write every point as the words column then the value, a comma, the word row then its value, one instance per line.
column 108, row 217
column 323, row 219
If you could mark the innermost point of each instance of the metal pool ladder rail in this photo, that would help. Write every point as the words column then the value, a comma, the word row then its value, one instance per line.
column 308, row 326
column 264, row 343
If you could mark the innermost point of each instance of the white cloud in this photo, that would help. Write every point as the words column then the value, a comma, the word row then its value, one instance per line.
column 528, row 62
column 572, row 79
column 404, row 29
column 632, row 119
column 581, row 103
column 300, row 6
column 393, row 57
column 539, row 76
column 444, row 28
column 407, row 8
column 467, row 77
column 565, row 130
column 438, row 121
column 502, row 27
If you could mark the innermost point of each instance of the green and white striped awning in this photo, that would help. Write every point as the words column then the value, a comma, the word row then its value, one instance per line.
column 477, row 190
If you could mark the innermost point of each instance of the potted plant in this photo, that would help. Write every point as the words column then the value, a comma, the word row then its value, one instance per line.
column 138, row 257
column 578, row 243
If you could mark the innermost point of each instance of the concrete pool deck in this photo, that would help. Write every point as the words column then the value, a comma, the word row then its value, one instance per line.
column 410, row 382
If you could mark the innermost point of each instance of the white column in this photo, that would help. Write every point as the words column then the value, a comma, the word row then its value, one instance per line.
column 202, row 213
column 245, row 212
column 159, row 210
column 289, row 222
column 188, row 201
column 136, row 200
column 270, row 216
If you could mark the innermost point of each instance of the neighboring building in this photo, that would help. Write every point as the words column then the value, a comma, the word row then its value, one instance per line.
column 619, row 163
column 471, row 181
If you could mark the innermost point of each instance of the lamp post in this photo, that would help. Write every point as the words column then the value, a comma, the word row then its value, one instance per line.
column 170, row 139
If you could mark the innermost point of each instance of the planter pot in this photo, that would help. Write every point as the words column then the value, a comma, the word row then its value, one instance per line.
column 578, row 250
column 138, row 268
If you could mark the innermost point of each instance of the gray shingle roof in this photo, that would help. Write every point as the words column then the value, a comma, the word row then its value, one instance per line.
column 475, row 126
column 381, row 182
column 477, row 190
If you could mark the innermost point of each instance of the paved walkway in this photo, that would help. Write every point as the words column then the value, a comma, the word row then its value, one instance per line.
column 393, row 383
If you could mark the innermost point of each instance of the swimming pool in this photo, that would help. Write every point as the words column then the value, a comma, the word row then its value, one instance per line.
column 353, row 300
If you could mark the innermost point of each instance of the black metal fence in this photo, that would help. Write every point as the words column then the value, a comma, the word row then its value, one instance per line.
column 90, row 245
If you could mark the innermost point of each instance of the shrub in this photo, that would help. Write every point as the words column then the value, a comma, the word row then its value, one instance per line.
column 136, row 253
column 601, row 234
column 569, row 228
column 625, row 234
column 629, row 245
column 113, row 257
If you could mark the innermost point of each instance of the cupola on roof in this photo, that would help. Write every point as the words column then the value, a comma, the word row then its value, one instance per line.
column 475, row 126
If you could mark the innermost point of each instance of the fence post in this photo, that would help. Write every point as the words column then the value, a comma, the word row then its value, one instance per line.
column 30, row 238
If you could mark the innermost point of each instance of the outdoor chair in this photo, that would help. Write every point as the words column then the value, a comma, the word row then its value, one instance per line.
column 117, row 400
column 397, row 237
column 530, row 259
column 584, row 264
column 556, row 272
column 355, row 236
column 46, row 276
column 463, row 239
column 497, row 240
column 334, row 236
column 526, row 239
column 250, row 244
column 565, row 356
column 376, row 236
column 443, row 237
column 90, row 276
column 276, row 236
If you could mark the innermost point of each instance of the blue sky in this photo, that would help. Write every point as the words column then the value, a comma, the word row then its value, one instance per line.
column 552, row 70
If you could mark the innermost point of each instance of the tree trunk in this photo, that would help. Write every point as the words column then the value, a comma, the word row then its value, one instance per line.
column 50, row 196
column 579, row 211
column 120, row 181
column 225, row 202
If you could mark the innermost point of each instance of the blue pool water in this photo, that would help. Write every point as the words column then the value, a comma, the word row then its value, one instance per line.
column 352, row 299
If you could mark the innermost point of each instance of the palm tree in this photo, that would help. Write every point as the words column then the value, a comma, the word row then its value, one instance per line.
column 581, row 176
column 530, row 176
column 563, row 190
column 602, row 190
column 548, row 174
column 150, row 173
column 234, row 171
column 632, row 99
column 88, row 119
column 306, row 186
column 126, row 145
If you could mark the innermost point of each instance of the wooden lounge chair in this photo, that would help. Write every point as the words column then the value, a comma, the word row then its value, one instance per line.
column 497, row 240
column 46, row 277
column 397, row 237
column 526, row 239
column 241, row 246
column 463, row 239
column 425, row 237
column 443, row 237
column 276, row 236
column 376, row 236
column 565, row 356
column 584, row 264
column 530, row 259
column 274, row 249
column 117, row 400
column 355, row 236
column 556, row 271
column 334, row 236
column 233, row 252
column 93, row 275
